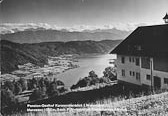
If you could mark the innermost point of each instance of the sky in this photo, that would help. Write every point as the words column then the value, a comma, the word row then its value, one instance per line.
column 71, row 13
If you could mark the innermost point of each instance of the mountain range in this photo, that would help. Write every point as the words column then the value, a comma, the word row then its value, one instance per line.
column 38, row 35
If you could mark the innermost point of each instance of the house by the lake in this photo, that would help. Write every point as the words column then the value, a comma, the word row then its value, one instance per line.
column 142, row 58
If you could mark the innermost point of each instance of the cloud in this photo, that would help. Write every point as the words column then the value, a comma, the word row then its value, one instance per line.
column 118, row 26
column 22, row 26
column 15, row 27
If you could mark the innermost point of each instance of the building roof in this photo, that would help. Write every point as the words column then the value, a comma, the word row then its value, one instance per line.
column 166, row 16
column 146, row 41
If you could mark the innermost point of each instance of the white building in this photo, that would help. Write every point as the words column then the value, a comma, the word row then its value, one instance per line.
column 142, row 58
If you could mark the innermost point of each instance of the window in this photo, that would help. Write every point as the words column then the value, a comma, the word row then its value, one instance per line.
column 132, row 59
column 123, row 60
column 137, row 62
column 138, row 76
column 129, row 59
column 148, row 77
column 130, row 73
column 165, row 80
column 123, row 72
column 139, row 48
column 145, row 62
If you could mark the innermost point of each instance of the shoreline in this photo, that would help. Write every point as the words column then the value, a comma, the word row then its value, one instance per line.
column 56, row 65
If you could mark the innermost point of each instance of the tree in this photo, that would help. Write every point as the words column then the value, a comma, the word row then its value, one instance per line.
column 43, row 89
column 29, row 84
column 37, row 94
column 62, row 89
column 104, row 80
column 23, row 83
column 92, row 74
column 47, row 82
column 52, row 90
column 93, row 78
column 41, row 82
column 18, row 88
column 110, row 73
column 7, row 97
column 82, row 83
column 60, row 83
column 10, row 85
column 34, row 83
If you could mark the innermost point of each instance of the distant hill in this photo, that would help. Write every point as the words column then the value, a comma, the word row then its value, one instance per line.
column 42, row 35
column 13, row 54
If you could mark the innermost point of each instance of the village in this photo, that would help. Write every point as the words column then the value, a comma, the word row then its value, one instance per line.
column 55, row 66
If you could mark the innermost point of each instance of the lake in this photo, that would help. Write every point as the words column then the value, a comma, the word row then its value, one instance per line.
column 87, row 63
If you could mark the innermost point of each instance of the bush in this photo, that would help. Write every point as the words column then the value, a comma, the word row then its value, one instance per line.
column 104, row 80
column 92, row 79
column 82, row 83
column 73, row 87
column 62, row 89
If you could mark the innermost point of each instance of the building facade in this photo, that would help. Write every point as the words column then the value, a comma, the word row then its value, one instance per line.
column 142, row 58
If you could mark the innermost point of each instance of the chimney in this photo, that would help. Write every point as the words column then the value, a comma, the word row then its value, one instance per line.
column 165, row 18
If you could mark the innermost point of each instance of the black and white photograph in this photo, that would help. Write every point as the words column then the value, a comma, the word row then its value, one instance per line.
column 84, row 57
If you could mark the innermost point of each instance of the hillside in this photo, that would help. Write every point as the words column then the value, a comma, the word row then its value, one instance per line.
column 37, row 36
column 13, row 54
column 152, row 105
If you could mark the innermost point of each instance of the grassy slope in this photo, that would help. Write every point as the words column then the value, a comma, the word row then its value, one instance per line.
column 153, row 105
